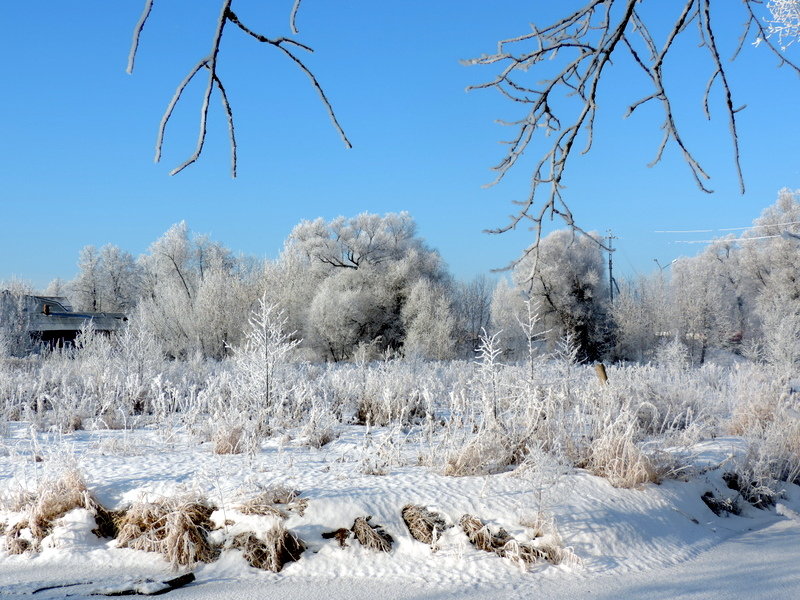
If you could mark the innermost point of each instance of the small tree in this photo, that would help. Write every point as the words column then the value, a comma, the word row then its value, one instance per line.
column 266, row 347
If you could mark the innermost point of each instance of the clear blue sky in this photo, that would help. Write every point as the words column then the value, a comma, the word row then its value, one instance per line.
column 77, row 133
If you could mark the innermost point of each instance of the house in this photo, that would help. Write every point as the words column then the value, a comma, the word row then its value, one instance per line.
column 52, row 320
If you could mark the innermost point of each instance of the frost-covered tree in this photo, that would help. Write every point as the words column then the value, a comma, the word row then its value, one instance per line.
column 784, row 23
column 359, row 273
column 169, row 262
column 699, row 317
column 85, row 289
column 120, row 279
column 771, row 258
column 366, row 239
column 508, row 308
column 736, row 292
column 195, row 298
column 472, row 306
column 15, row 311
column 56, row 287
column 430, row 326
column 641, row 316
column 108, row 280
column 567, row 288
column 266, row 346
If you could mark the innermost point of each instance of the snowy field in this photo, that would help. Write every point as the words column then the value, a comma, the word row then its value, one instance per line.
column 649, row 541
column 398, row 478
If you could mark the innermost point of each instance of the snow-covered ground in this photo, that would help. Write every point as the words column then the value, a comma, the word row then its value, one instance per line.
column 659, row 541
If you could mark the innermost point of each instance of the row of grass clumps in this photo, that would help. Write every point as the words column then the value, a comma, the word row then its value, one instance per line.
column 183, row 531
column 179, row 528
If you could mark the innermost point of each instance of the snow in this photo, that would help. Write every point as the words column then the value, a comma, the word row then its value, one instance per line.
column 660, row 541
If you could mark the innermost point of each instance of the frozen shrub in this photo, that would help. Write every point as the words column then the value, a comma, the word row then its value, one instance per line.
column 320, row 429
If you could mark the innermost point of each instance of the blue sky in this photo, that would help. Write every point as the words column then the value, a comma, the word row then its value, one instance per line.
column 77, row 133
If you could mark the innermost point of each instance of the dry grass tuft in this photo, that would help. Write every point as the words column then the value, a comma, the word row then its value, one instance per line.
column 177, row 528
column 279, row 547
column 424, row 525
column 372, row 536
column 229, row 440
column 14, row 543
column 74, row 423
column 486, row 454
column 275, row 501
column 505, row 546
column 56, row 498
column 480, row 536
column 17, row 545
column 616, row 456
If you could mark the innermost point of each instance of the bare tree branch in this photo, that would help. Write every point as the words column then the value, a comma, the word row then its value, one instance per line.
column 279, row 43
column 581, row 45
column 137, row 32
column 209, row 62
column 293, row 17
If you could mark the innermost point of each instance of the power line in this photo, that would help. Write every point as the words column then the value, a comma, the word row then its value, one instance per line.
column 739, row 239
column 726, row 228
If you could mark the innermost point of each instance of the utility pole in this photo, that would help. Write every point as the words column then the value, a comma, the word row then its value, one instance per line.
column 611, row 238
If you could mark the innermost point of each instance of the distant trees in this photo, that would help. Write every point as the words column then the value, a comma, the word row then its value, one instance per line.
column 740, row 294
column 366, row 282
column 472, row 308
column 194, row 296
column 108, row 280
column 369, row 285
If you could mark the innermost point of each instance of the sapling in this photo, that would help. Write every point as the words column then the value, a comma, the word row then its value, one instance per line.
column 266, row 347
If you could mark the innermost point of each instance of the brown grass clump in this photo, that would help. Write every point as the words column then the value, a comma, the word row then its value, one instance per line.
column 279, row 547
column 176, row 528
column 54, row 499
column 505, row 546
column 424, row 525
column 275, row 501
column 479, row 535
column 14, row 543
column 228, row 440
column 372, row 536
column 17, row 545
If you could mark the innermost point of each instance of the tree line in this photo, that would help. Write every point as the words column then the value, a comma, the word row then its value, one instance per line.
column 368, row 286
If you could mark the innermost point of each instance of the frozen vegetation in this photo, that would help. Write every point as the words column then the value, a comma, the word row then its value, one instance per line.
column 341, row 418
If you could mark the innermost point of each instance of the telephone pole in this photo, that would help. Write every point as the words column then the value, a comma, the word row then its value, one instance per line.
column 611, row 238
